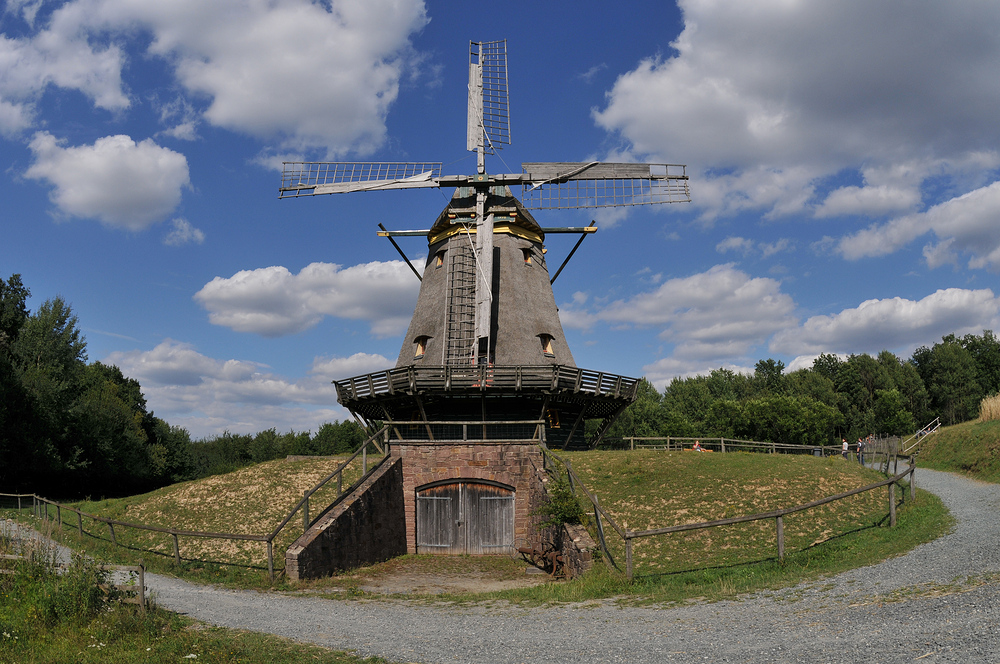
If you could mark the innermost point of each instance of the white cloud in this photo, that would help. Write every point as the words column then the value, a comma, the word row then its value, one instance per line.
column 116, row 180
column 273, row 302
column 307, row 74
column 720, row 313
column 893, row 323
column 63, row 58
column 966, row 224
column 661, row 372
column 765, row 100
column 738, row 244
column 183, row 233
column 712, row 319
column 207, row 396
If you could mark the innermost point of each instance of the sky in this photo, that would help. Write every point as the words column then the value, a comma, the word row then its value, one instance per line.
column 843, row 156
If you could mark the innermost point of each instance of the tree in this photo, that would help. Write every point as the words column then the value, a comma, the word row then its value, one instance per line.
column 949, row 372
column 985, row 351
column 769, row 377
column 13, row 310
column 891, row 415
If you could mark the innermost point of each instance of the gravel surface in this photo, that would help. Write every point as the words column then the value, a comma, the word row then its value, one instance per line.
column 934, row 615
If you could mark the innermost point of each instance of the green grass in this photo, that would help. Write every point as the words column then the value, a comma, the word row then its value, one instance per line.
column 648, row 489
column 46, row 617
column 971, row 448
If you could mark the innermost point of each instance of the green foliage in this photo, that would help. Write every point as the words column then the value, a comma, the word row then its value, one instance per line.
column 561, row 504
column 49, row 617
column 949, row 371
column 68, row 427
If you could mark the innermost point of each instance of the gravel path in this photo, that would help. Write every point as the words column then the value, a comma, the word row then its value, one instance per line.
column 841, row 619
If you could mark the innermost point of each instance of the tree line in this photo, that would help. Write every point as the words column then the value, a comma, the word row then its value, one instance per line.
column 72, row 428
column 835, row 398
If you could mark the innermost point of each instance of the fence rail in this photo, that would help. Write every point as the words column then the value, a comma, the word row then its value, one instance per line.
column 601, row 517
column 40, row 508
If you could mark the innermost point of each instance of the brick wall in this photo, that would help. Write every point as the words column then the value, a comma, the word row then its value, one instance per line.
column 366, row 526
column 515, row 464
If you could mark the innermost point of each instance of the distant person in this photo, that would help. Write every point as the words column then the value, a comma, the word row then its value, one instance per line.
column 861, row 451
column 843, row 448
column 697, row 447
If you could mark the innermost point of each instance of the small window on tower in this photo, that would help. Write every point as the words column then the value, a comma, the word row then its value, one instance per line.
column 439, row 259
column 546, row 340
column 527, row 256
column 420, row 347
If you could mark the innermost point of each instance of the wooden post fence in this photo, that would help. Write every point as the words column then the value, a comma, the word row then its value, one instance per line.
column 781, row 538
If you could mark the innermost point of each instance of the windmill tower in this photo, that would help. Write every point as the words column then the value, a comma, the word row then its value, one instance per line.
column 485, row 360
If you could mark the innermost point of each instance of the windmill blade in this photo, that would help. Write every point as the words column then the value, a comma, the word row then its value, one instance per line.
column 562, row 185
column 312, row 178
column 489, row 107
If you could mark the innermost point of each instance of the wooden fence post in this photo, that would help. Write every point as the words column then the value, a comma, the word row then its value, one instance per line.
column 340, row 479
column 79, row 523
column 270, row 561
column 913, row 485
column 722, row 441
column 111, row 527
column 892, row 505
column 142, row 587
column 364, row 459
column 46, row 511
column 781, row 539
column 569, row 476
column 628, row 557
column 59, row 515
column 177, row 549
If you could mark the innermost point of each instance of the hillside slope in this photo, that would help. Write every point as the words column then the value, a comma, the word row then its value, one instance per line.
column 970, row 448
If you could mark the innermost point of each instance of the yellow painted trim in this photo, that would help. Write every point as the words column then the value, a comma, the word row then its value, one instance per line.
column 501, row 227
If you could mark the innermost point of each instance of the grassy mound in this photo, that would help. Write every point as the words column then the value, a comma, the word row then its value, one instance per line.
column 640, row 489
column 970, row 448
column 249, row 501
column 649, row 489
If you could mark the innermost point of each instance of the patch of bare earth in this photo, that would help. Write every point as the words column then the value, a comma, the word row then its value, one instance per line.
column 433, row 575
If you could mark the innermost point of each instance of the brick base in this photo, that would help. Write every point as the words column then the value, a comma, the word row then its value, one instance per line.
column 515, row 464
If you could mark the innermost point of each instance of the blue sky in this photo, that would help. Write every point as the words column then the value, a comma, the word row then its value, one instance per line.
column 843, row 160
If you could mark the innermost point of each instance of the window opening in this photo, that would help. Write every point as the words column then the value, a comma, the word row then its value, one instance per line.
column 527, row 256
column 439, row 259
column 420, row 347
column 546, row 340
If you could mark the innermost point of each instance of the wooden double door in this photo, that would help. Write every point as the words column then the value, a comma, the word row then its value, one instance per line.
column 465, row 516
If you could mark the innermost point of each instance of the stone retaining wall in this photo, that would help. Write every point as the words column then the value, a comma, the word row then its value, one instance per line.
column 366, row 526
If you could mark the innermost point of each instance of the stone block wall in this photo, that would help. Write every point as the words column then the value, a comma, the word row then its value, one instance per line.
column 577, row 549
column 366, row 526
column 516, row 464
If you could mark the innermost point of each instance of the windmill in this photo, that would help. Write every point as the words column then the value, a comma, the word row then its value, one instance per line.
column 485, row 341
